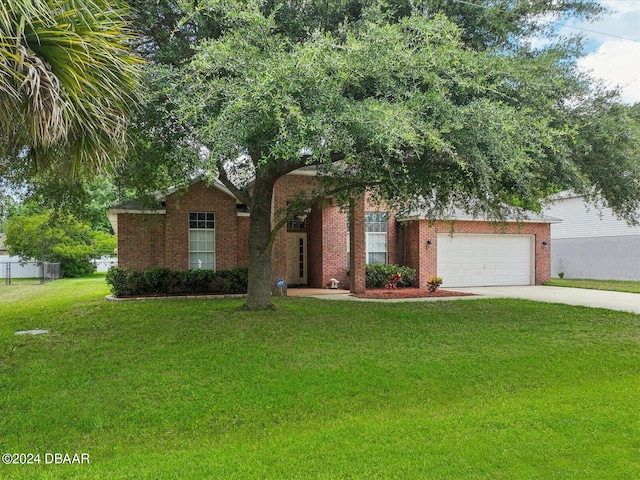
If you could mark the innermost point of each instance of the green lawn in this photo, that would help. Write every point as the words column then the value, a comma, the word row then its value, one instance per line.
column 176, row 389
column 615, row 285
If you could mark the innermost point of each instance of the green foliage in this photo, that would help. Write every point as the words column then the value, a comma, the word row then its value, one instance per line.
column 410, row 112
column 86, row 199
column 68, row 80
column 164, row 281
column 56, row 237
column 8, row 206
column 169, row 28
column 377, row 275
column 607, row 153
column 391, row 88
column 237, row 279
column 118, row 280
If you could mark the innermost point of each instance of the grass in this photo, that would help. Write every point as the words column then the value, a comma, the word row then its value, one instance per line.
column 173, row 389
column 614, row 285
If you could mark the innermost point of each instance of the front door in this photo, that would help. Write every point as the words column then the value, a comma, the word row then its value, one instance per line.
column 296, row 258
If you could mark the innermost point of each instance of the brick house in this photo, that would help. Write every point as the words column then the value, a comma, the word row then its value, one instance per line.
column 205, row 226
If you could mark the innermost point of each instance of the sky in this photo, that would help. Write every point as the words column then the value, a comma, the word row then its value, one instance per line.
column 614, row 52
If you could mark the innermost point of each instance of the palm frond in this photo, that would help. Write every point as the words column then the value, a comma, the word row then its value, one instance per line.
column 67, row 79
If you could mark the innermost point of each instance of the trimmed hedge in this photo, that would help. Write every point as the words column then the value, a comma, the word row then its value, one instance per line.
column 164, row 281
column 377, row 275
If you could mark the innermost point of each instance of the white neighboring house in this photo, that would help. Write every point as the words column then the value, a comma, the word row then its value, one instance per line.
column 591, row 242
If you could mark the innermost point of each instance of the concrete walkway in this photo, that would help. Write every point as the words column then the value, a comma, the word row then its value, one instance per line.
column 315, row 292
column 625, row 302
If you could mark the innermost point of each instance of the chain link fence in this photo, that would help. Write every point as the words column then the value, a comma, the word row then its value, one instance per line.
column 39, row 271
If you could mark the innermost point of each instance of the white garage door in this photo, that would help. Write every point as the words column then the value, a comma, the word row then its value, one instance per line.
column 469, row 260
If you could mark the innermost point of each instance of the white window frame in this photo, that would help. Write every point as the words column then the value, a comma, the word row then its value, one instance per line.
column 376, row 225
column 202, row 241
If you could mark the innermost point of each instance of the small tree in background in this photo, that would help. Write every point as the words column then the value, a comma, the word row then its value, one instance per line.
column 55, row 237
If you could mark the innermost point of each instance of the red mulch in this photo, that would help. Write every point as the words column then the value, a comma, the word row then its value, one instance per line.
column 408, row 293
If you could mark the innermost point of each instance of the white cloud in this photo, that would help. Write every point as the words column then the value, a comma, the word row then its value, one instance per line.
column 617, row 64
column 616, row 58
column 613, row 43
column 621, row 6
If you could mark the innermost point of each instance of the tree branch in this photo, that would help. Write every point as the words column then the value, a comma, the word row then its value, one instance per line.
column 240, row 194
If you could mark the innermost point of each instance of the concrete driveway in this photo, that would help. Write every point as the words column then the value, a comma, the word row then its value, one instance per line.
column 626, row 302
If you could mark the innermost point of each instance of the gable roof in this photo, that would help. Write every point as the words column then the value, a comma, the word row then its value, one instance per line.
column 155, row 204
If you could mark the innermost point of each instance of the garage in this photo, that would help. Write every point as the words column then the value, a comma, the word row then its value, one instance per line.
column 473, row 260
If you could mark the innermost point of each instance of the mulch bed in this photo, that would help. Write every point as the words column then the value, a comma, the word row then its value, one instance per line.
column 408, row 293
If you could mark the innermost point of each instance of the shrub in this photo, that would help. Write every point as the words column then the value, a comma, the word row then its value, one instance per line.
column 118, row 279
column 377, row 275
column 161, row 281
column 395, row 281
column 76, row 268
column 434, row 283
column 237, row 279
column 157, row 280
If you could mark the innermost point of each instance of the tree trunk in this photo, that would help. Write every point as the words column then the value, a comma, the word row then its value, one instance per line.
column 260, row 248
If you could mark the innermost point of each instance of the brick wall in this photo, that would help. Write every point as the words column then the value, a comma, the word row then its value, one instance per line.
column 155, row 240
column 285, row 190
column 242, row 246
column 315, row 247
column 333, row 247
column 417, row 254
column 200, row 198
column 141, row 241
column 357, row 242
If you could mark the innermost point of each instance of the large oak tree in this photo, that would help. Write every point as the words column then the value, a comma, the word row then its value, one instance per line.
column 418, row 107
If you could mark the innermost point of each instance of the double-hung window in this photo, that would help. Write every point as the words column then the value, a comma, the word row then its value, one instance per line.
column 376, row 228
column 202, row 241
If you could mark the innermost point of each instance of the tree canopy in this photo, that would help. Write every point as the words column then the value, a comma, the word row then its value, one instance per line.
column 164, row 152
column 439, row 103
column 406, row 107
column 54, row 237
